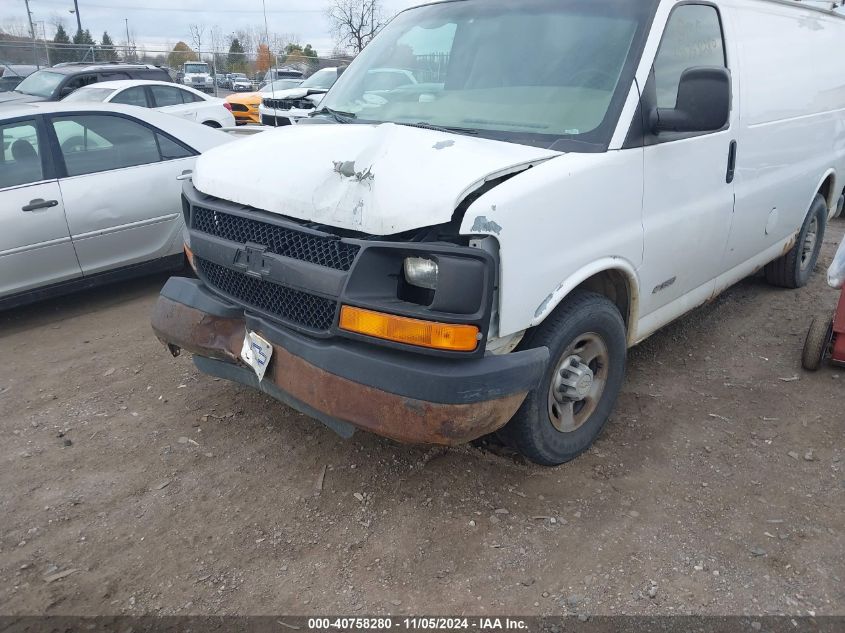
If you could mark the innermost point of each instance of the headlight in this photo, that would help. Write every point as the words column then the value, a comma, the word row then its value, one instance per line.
column 421, row 273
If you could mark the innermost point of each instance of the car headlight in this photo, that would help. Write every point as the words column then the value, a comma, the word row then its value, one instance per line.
column 421, row 272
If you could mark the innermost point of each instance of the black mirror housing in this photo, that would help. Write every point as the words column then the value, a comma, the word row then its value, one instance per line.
column 703, row 104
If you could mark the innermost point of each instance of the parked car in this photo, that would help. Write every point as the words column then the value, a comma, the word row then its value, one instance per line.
column 475, row 254
column 52, row 84
column 238, row 82
column 169, row 98
column 221, row 80
column 286, row 107
column 245, row 106
column 282, row 73
column 12, row 74
column 89, row 194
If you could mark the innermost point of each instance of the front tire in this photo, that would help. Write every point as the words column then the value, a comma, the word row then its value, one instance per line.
column 794, row 269
column 561, row 419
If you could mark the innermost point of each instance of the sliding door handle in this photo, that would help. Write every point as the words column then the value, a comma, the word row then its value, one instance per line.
column 40, row 203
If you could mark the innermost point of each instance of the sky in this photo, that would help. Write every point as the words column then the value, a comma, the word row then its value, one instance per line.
column 156, row 24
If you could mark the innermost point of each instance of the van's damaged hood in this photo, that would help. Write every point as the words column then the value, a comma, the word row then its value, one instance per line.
column 376, row 179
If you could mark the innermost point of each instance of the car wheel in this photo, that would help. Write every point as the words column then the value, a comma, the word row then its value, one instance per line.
column 561, row 419
column 840, row 207
column 793, row 270
column 818, row 343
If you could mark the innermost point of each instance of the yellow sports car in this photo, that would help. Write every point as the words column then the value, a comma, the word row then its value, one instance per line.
column 245, row 105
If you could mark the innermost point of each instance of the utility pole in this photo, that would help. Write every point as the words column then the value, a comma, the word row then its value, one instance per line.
column 126, row 54
column 32, row 34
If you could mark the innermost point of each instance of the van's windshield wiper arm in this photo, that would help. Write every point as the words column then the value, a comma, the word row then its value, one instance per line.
column 337, row 115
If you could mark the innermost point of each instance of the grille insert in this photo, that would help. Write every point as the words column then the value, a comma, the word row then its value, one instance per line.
column 315, row 249
column 293, row 306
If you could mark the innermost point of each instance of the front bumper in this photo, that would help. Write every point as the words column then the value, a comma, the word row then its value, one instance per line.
column 347, row 384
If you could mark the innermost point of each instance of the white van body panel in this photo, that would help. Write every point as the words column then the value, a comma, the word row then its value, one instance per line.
column 376, row 179
column 697, row 233
column 581, row 209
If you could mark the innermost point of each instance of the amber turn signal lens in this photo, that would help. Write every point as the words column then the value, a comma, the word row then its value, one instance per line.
column 455, row 338
column 189, row 255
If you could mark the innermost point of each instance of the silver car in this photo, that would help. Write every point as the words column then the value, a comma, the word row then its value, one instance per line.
column 89, row 193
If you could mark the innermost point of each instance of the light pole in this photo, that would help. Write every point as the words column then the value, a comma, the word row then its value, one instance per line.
column 126, row 54
column 78, row 19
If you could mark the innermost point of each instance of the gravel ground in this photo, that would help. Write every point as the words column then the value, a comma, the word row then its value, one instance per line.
column 131, row 484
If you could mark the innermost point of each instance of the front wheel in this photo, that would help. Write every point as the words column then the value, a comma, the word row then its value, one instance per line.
column 561, row 419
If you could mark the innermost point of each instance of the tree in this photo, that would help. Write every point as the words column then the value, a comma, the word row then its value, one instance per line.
column 83, row 46
column 61, row 51
column 304, row 59
column 265, row 60
column 355, row 23
column 237, row 59
column 180, row 54
column 106, row 51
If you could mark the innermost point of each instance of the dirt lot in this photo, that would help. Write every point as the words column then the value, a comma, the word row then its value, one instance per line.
column 131, row 484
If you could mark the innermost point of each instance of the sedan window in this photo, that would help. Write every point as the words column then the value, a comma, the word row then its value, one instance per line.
column 95, row 143
column 166, row 96
column 21, row 161
column 90, row 94
column 190, row 97
column 132, row 96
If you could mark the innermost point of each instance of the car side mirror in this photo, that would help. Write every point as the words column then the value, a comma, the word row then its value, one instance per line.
column 703, row 104
column 65, row 92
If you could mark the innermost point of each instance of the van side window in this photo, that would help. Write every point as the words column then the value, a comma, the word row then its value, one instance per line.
column 693, row 38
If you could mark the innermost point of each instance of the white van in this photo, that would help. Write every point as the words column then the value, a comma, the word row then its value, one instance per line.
column 475, row 252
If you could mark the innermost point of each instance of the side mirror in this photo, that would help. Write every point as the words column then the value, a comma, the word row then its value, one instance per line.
column 703, row 104
column 65, row 92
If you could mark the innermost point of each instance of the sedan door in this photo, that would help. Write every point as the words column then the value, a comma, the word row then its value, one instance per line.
column 169, row 99
column 35, row 244
column 118, row 181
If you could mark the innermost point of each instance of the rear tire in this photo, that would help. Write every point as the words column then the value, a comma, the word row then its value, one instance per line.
column 817, row 345
column 794, row 269
column 561, row 419
column 840, row 207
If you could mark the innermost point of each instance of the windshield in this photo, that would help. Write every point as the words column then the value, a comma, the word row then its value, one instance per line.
column 89, row 94
column 321, row 80
column 282, row 84
column 539, row 72
column 240, row 77
column 196, row 68
column 42, row 83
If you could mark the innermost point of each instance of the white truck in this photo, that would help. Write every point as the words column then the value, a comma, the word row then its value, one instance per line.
column 476, row 252
column 197, row 75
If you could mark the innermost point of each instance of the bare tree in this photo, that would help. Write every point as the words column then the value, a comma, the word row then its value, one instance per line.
column 355, row 22
column 197, row 35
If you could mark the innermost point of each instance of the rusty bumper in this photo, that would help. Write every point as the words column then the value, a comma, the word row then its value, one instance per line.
column 345, row 385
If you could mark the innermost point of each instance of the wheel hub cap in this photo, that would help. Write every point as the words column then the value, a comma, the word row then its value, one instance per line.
column 578, row 382
column 575, row 379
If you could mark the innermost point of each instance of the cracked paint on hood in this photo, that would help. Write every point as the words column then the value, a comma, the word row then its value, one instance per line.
column 376, row 179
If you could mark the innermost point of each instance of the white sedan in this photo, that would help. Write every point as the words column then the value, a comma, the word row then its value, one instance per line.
column 166, row 97
column 89, row 193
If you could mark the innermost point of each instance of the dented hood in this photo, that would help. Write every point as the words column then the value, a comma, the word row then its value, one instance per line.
column 375, row 179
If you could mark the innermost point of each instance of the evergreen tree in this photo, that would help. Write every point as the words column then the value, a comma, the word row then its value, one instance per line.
column 106, row 51
column 84, row 44
column 237, row 59
column 61, row 52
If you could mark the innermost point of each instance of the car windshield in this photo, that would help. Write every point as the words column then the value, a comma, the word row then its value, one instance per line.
column 196, row 68
column 321, row 80
column 89, row 94
column 240, row 77
column 540, row 72
column 42, row 83
column 282, row 84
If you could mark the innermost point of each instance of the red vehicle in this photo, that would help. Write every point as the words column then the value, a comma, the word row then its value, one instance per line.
column 826, row 337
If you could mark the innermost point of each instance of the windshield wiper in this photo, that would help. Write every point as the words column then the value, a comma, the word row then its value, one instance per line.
column 441, row 128
column 337, row 115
